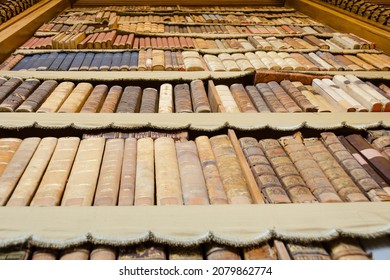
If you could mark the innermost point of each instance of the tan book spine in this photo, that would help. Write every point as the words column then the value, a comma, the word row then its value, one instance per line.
column 16, row 167
column 308, row 168
column 285, row 170
column 32, row 176
column 191, row 175
column 227, row 99
column 281, row 250
column 112, row 100
column 165, row 104
column 144, row 180
column 128, row 175
column 366, row 66
column 347, row 249
column 265, row 176
column 76, row 99
column 107, row 189
column 8, row 147
column 95, row 99
column 340, row 180
column 372, row 59
column 318, row 104
column 168, row 187
column 56, row 98
column 158, row 60
column 230, row 170
column 52, row 185
column 81, row 186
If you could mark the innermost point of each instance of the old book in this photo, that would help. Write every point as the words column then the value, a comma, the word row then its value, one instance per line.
column 320, row 104
column 81, row 186
column 20, row 94
column 130, row 101
column 144, row 176
column 95, row 100
column 373, row 156
column 242, row 99
column 100, row 252
column 270, row 99
column 353, row 167
column 182, row 98
column 230, row 170
column 192, row 61
column 255, row 61
column 9, row 86
column 285, row 170
column 228, row 62
column 227, row 99
column 257, row 99
column 166, row 99
column 56, row 98
column 133, row 66
column 314, row 251
column 8, row 147
column 44, row 254
column 96, row 62
column 168, row 63
column 297, row 96
column 16, row 166
column 76, row 99
column 116, row 62
column 281, row 250
column 347, row 249
column 149, row 103
column 199, row 98
column 110, row 173
column 382, row 144
column 40, row 61
column 106, row 62
column 128, row 174
column 67, row 61
column 214, row 63
column 28, row 183
column 340, row 180
column 168, row 187
column 284, row 98
column 143, row 252
column 261, row 252
column 187, row 253
column 158, row 63
column 193, row 183
column 125, row 61
column 221, row 253
column 52, row 185
column 308, row 168
column 289, row 60
column 111, row 102
column 77, row 62
column 78, row 253
column 50, row 59
column 57, row 62
column 87, row 62
column 265, row 176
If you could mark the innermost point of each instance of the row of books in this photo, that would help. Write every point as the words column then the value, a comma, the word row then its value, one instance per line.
column 342, row 94
column 10, row 9
column 113, row 40
column 52, row 171
column 367, row 9
column 160, row 60
column 338, row 249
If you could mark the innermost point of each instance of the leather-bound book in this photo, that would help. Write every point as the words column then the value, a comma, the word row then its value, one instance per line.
column 76, row 99
column 257, row 99
column 107, row 189
column 362, row 64
column 180, row 61
column 371, row 155
column 182, row 96
column 142, row 59
column 96, row 62
column 128, row 174
column 168, row 63
column 242, row 99
column 143, row 252
column 285, row 170
column 284, row 98
column 255, row 61
column 348, row 63
column 347, row 249
column 222, row 253
column 354, row 169
column 111, row 102
column 168, row 188
column 25, row 63
column 116, row 62
column 270, row 99
column 134, row 56
column 199, row 98
column 228, row 62
column 307, row 252
column 158, row 60
column 382, row 144
column 227, row 99
column 125, row 61
column 8, row 147
column 187, row 253
column 14, row 63
column 9, row 86
column 130, row 101
column 46, row 64
column 214, row 63
column 20, row 94
column 192, row 61
column 57, row 62
column 297, row 96
column 265, row 176
column 84, row 43
column 193, row 184
column 301, row 59
column 149, row 103
column 308, row 168
column 144, row 175
column 38, row 62
column 87, row 61
column 66, row 63
column 81, row 186
column 106, row 62
column 29, row 182
column 211, row 174
column 95, row 100
column 320, row 104
column 230, row 170
column 56, row 98
column 52, row 185
column 166, row 99
column 340, row 180
column 16, row 166
column 261, row 252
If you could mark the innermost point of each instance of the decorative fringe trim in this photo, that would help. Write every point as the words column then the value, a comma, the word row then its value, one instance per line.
column 14, row 241
column 39, row 241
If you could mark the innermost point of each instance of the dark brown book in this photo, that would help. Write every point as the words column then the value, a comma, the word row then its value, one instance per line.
column 149, row 103
column 130, row 101
column 95, row 99
column 297, row 96
column 284, row 98
column 20, row 94
column 112, row 100
column 8, row 87
column 270, row 99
